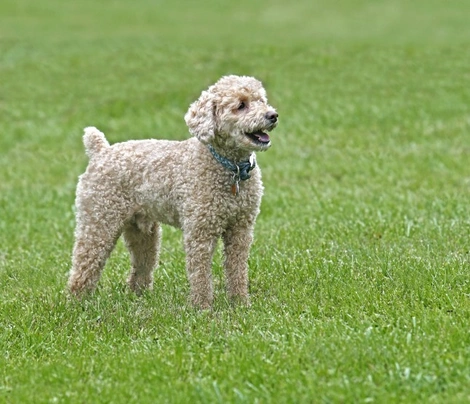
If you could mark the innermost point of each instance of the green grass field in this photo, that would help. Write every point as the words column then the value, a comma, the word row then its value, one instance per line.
column 359, row 273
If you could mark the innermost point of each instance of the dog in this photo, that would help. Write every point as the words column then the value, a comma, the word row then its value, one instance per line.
column 208, row 185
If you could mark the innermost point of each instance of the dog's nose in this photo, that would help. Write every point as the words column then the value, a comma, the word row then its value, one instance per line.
column 271, row 116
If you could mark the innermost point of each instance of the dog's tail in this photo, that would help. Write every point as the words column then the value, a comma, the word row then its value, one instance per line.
column 94, row 141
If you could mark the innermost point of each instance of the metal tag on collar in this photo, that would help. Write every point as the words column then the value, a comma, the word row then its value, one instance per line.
column 235, row 188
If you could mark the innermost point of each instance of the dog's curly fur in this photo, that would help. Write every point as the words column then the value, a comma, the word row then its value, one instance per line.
column 134, row 186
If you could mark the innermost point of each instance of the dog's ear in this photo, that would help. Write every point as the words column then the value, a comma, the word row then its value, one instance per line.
column 200, row 117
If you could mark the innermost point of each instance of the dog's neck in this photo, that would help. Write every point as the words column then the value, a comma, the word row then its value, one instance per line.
column 241, row 169
column 233, row 154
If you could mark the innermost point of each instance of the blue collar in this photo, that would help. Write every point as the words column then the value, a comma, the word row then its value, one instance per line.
column 241, row 170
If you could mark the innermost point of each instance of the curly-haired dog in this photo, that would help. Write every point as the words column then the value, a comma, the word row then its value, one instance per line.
column 208, row 185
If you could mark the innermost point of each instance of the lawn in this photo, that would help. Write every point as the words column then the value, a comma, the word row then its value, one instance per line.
column 359, row 273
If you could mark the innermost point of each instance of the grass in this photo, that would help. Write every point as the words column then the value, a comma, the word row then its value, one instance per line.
column 359, row 270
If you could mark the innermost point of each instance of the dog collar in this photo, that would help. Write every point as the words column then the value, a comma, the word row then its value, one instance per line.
column 241, row 171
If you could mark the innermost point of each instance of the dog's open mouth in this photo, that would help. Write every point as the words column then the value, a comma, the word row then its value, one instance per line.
column 259, row 137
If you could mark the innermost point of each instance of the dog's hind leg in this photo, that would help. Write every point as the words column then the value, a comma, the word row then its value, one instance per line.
column 95, row 237
column 144, row 247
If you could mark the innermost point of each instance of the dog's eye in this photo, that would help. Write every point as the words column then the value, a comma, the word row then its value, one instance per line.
column 241, row 106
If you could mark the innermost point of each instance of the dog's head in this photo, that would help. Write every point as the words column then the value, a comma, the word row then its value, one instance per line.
column 234, row 114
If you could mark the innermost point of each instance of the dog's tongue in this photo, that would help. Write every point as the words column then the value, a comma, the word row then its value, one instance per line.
column 262, row 137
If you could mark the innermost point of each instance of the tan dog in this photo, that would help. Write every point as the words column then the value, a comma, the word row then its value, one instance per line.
column 209, row 186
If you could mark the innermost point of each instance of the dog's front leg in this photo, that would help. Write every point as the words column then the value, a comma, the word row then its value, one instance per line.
column 199, row 247
column 237, row 243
